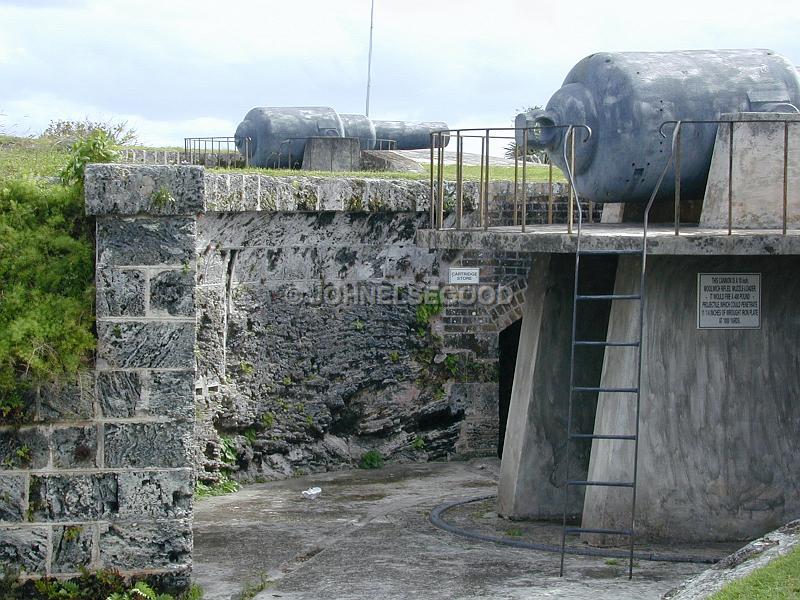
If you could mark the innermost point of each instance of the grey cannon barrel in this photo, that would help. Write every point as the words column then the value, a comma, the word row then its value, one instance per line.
column 276, row 136
column 625, row 97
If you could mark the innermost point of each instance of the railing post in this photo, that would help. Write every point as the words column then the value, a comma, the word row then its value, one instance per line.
column 678, row 179
column 550, row 192
column 730, row 180
column 432, row 202
column 486, row 195
column 459, row 178
column 571, row 142
column 785, row 173
column 524, row 177
column 516, row 182
column 440, row 208
column 482, row 216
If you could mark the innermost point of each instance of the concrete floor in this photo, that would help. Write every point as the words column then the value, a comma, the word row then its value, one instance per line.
column 368, row 536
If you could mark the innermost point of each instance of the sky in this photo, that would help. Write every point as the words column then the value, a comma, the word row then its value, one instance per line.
column 189, row 68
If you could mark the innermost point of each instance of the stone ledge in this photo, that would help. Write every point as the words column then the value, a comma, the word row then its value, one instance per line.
column 740, row 564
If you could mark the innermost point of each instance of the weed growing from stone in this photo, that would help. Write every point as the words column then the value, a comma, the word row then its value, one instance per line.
column 418, row 444
column 251, row 590
column 371, row 460
column 514, row 532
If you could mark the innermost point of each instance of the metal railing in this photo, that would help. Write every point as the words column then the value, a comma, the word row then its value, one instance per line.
column 221, row 151
column 275, row 159
column 520, row 174
column 675, row 156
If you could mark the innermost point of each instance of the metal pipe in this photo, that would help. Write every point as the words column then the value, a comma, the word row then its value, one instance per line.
column 677, row 179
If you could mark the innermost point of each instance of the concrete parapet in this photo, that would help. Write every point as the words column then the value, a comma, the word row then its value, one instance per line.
column 332, row 154
column 757, row 174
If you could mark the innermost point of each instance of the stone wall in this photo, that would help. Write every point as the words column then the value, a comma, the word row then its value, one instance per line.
column 102, row 476
column 213, row 358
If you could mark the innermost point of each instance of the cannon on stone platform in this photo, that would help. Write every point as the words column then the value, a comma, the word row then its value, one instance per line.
column 277, row 136
column 625, row 97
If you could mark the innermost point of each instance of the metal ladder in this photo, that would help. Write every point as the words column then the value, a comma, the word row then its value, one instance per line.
column 579, row 391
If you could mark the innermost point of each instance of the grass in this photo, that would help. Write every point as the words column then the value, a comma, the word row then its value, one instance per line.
column 42, row 158
column 30, row 157
column 534, row 173
column 778, row 580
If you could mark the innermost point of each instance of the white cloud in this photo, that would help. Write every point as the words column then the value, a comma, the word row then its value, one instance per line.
column 175, row 68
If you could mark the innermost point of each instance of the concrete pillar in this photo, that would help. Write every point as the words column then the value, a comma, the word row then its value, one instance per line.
column 718, row 457
column 533, row 466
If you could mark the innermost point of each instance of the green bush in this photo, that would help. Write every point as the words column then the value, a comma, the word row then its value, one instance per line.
column 97, row 147
column 46, row 291
column 99, row 585
column 371, row 460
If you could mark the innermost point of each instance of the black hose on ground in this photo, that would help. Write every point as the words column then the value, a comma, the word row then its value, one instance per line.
column 437, row 520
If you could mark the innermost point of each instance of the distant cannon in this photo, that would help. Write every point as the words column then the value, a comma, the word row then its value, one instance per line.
column 625, row 97
column 276, row 136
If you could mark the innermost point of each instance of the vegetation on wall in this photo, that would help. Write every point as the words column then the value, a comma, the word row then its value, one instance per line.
column 46, row 274
column 100, row 585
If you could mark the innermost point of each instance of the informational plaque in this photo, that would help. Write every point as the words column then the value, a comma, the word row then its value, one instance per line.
column 728, row 300
column 465, row 275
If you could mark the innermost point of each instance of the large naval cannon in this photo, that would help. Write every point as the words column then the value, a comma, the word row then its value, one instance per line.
column 625, row 97
column 276, row 136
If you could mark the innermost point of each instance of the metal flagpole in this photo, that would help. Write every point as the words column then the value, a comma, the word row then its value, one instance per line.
column 369, row 59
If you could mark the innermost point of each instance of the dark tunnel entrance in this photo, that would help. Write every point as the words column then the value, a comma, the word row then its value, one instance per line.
column 508, row 344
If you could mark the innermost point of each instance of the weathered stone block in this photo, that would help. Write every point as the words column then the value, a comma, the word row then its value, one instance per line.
column 210, row 351
column 74, row 447
column 67, row 400
column 12, row 497
column 156, row 190
column 119, row 393
column 24, row 448
column 23, row 549
column 478, row 399
column 73, row 497
column 72, row 548
column 159, row 495
column 171, row 395
column 145, row 344
column 172, row 293
column 145, row 241
column 164, row 544
column 126, row 394
column 148, row 445
column 120, row 293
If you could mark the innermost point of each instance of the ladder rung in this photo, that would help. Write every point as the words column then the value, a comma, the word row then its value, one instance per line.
column 627, row 484
column 609, row 251
column 608, row 297
column 632, row 390
column 600, row 436
column 601, row 343
column 597, row 530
